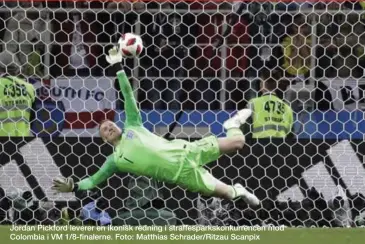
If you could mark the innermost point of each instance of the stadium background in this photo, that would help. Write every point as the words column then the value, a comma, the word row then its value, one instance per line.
column 185, row 90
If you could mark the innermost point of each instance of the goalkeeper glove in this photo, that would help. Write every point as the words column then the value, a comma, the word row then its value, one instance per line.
column 115, row 56
column 63, row 185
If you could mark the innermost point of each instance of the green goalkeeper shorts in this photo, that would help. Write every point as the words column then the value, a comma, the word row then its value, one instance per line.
column 193, row 176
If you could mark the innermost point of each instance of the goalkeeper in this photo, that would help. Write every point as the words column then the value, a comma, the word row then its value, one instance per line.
column 140, row 152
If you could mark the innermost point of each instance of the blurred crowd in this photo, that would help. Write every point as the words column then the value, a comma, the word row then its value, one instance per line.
column 304, row 41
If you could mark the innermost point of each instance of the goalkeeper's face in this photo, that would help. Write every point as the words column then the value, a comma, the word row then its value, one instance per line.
column 110, row 132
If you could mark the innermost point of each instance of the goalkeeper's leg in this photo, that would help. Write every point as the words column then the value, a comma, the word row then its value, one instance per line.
column 210, row 148
column 235, row 139
column 211, row 186
column 233, row 192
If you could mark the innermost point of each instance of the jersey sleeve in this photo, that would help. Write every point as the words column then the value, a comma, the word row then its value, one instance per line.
column 133, row 116
column 107, row 170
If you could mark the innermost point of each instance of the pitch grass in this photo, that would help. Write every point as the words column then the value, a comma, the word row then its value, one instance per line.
column 289, row 236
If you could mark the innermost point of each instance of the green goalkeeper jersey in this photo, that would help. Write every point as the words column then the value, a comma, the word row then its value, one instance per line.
column 139, row 151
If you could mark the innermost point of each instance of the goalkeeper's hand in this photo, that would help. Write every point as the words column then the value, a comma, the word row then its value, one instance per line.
column 115, row 56
column 63, row 185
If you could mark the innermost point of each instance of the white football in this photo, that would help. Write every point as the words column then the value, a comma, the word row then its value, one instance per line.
column 130, row 45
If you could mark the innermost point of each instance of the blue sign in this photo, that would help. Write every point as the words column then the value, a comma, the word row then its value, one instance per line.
column 332, row 125
column 315, row 125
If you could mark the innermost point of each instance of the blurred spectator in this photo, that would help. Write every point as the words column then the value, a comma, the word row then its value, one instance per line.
column 271, row 117
column 133, row 17
column 25, row 36
column 16, row 100
column 76, row 51
column 168, row 37
column 342, row 59
column 172, row 40
column 292, row 6
column 126, row 7
column 262, row 34
column 297, row 49
column 214, row 68
column 211, row 27
column 350, row 42
column 341, row 49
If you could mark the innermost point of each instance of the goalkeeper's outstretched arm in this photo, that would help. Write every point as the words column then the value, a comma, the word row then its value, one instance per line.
column 106, row 171
column 133, row 116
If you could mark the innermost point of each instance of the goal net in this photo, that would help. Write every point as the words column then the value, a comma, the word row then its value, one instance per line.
column 202, row 61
